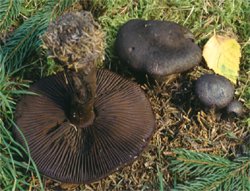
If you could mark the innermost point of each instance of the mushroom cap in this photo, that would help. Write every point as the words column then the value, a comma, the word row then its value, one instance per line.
column 158, row 48
column 123, row 125
column 214, row 90
column 235, row 107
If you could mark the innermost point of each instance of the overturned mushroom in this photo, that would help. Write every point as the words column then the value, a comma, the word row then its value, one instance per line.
column 82, row 125
column 74, row 152
column 158, row 48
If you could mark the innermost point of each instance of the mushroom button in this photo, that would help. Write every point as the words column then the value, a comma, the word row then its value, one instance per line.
column 235, row 108
column 214, row 90
column 84, row 123
column 158, row 48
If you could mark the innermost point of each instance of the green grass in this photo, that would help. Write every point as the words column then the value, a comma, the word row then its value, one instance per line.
column 14, row 174
column 22, row 60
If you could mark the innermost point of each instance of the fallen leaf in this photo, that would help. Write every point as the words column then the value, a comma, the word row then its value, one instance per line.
column 222, row 54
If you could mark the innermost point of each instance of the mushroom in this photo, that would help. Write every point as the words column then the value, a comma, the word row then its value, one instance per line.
column 243, row 149
column 157, row 48
column 73, row 152
column 235, row 108
column 214, row 90
column 84, row 123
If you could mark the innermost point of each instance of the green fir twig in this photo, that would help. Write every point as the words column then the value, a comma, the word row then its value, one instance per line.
column 205, row 172
column 26, row 39
column 9, row 11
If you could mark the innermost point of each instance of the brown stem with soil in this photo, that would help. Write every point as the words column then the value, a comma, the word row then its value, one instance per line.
column 82, row 101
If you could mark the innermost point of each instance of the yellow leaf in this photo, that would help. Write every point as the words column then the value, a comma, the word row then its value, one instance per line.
column 222, row 54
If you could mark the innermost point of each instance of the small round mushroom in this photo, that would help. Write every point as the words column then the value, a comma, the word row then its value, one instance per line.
column 243, row 149
column 158, row 48
column 214, row 90
column 84, row 123
column 235, row 107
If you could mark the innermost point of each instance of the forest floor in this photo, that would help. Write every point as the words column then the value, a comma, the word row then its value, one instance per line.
column 182, row 121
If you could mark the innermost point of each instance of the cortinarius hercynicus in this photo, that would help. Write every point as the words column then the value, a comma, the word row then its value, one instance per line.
column 158, row 48
column 235, row 108
column 83, row 124
column 214, row 90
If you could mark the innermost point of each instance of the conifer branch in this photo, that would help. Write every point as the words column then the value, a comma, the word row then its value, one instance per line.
column 205, row 172
column 58, row 7
column 26, row 38
column 9, row 10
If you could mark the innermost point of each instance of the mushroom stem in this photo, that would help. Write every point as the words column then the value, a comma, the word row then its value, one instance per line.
column 82, row 101
column 76, row 42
